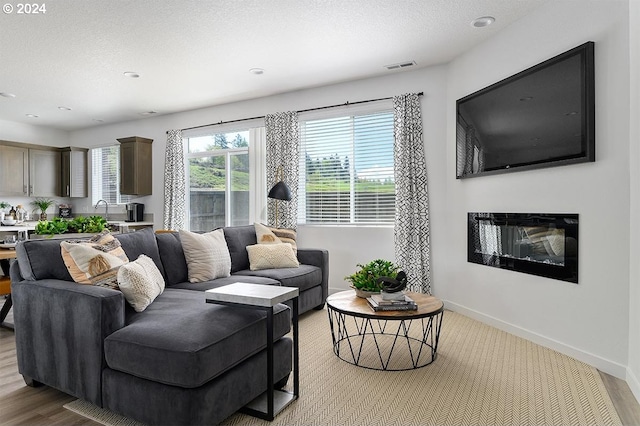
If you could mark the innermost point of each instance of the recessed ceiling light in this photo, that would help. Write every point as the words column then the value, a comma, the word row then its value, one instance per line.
column 98, row 120
column 256, row 71
column 7, row 95
column 32, row 116
column 131, row 74
column 64, row 108
column 483, row 21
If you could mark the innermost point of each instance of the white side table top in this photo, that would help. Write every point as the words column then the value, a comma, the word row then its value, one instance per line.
column 252, row 294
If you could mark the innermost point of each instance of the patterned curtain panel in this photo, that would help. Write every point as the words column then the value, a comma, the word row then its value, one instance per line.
column 283, row 146
column 174, row 182
column 411, row 231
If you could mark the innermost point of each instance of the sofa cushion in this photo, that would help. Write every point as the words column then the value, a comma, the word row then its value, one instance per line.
column 182, row 341
column 172, row 257
column 286, row 235
column 303, row 277
column 269, row 256
column 95, row 261
column 141, row 282
column 219, row 282
column 140, row 242
column 238, row 238
column 207, row 255
column 41, row 259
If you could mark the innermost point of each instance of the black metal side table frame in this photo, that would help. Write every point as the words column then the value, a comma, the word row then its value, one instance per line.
column 284, row 398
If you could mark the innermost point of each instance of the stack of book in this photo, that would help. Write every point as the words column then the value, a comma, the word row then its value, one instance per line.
column 405, row 303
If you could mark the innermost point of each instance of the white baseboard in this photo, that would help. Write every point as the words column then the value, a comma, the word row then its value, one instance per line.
column 634, row 384
column 602, row 364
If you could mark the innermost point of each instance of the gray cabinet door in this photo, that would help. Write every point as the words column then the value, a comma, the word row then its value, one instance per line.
column 44, row 173
column 73, row 163
column 14, row 171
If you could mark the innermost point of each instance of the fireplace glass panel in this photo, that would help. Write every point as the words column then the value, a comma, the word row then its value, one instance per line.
column 535, row 243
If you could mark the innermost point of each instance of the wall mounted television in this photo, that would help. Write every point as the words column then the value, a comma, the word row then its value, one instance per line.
column 541, row 117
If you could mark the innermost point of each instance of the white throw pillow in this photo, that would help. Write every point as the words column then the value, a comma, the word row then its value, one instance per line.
column 141, row 282
column 207, row 255
column 268, row 256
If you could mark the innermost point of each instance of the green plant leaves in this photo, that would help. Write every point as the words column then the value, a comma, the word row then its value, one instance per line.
column 366, row 278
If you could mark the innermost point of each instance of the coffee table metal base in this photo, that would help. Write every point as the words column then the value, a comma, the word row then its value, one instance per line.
column 382, row 342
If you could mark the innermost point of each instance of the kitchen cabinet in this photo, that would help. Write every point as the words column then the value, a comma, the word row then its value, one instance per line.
column 73, row 176
column 135, row 165
column 14, row 170
column 44, row 172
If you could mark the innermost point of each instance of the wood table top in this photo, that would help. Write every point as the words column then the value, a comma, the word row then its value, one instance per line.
column 7, row 254
column 348, row 303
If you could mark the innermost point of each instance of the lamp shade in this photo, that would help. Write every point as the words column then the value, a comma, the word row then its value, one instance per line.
column 280, row 191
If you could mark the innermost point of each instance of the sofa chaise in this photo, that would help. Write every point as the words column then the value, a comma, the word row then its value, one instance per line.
column 181, row 360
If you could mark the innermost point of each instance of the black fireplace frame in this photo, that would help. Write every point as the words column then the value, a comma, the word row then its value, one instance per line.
column 566, row 223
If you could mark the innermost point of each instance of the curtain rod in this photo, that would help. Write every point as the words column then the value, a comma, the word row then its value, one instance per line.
column 299, row 111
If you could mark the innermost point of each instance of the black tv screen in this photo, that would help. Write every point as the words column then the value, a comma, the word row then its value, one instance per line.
column 541, row 117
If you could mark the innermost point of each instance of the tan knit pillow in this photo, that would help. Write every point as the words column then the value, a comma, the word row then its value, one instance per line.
column 141, row 282
column 207, row 255
column 271, row 256
column 94, row 261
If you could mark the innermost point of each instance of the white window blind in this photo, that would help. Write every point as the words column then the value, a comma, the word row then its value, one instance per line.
column 105, row 175
column 346, row 170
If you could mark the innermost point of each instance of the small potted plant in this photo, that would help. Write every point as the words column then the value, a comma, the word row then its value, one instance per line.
column 3, row 205
column 365, row 280
column 43, row 204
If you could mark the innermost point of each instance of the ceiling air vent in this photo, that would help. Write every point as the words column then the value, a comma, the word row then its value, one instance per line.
column 400, row 65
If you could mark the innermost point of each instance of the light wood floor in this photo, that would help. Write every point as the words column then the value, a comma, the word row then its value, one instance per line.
column 22, row 405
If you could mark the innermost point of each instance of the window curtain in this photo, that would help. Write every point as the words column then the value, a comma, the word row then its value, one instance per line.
column 283, row 146
column 411, row 230
column 174, row 182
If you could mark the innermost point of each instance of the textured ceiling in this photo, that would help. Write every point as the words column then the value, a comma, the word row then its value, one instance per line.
column 196, row 53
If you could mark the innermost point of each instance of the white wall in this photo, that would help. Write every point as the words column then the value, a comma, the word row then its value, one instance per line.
column 588, row 320
column 633, row 371
column 38, row 135
column 347, row 246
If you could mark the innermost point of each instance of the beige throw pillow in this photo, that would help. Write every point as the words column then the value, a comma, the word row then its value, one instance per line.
column 269, row 256
column 207, row 255
column 141, row 282
column 264, row 235
column 94, row 261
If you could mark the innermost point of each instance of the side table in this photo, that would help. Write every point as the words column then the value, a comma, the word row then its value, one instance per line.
column 264, row 297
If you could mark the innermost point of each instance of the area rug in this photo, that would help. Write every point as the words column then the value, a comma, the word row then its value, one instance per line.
column 481, row 376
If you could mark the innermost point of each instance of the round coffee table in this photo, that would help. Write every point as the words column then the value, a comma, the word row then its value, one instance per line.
column 387, row 340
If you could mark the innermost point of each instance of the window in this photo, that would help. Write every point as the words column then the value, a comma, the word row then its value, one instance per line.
column 218, row 180
column 346, row 170
column 105, row 175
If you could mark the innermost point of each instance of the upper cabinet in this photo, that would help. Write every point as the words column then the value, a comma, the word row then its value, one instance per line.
column 73, row 177
column 14, row 170
column 135, row 166
column 44, row 172
column 40, row 171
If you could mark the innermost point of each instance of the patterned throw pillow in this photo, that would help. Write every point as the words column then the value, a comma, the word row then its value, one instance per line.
column 207, row 255
column 264, row 235
column 271, row 235
column 94, row 261
column 270, row 256
column 141, row 282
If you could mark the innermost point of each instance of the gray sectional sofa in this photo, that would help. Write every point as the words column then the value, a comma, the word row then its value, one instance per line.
column 180, row 361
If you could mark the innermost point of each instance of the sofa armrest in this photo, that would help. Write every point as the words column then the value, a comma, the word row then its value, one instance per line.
column 319, row 258
column 60, row 327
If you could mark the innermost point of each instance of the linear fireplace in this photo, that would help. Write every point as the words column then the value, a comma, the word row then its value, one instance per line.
column 534, row 243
